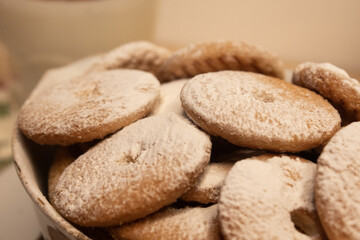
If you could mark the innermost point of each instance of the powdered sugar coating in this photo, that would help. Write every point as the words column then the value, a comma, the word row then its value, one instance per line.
column 170, row 98
column 135, row 172
column 262, row 194
column 140, row 55
column 208, row 186
column 88, row 107
column 334, row 84
column 63, row 158
column 257, row 111
column 219, row 55
column 181, row 224
column 338, row 183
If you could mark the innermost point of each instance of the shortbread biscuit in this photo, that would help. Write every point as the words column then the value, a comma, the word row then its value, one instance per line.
column 170, row 98
column 139, row 55
column 334, row 84
column 208, row 186
column 217, row 56
column 170, row 223
column 133, row 173
column 88, row 107
column 337, row 184
column 270, row 197
column 257, row 111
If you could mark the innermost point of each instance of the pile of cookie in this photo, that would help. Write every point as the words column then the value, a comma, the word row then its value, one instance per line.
column 207, row 142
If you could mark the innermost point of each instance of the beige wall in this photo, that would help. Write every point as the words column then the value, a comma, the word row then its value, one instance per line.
column 307, row 30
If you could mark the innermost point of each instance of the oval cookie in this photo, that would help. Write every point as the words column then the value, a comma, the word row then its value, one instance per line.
column 270, row 197
column 88, row 107
column 334, row 84
column 135, row 172
column 257, row 111
column 139, row 55
column 171, row 223
column 337, row 184
column 217, row 56
column 207, row 188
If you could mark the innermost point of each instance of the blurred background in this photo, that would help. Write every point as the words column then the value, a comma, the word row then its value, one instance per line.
column 36, row 35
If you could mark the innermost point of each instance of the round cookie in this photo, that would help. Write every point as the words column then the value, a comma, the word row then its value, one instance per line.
column 170, row 98
column 215, row 56
column 334, row 84
column 133, row 173
column 88, row 107
column 270, row 197
column 207, row 188
column 258, row 111
column 337, row 184
column 140, row 55
column 170, row 223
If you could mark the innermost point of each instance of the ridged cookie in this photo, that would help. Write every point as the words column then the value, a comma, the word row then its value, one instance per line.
column 334, row 84
column 215, row 56
column 139, row 55
column 337, row 186
column 270, row 197
column 207, row 188
column 170, row 223
column 88, row 107
column 258, row 111
column 135, row 172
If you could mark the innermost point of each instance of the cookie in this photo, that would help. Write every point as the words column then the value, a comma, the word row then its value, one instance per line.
column 208, row 186
column 337, row 184
column 170, row 98
column 135, row 172
column 139, row 55
column 257, row 111
column 270, row 197
column 217, row 56
column 332, row 83
column 63, row 158
column 88, row 107
column 170, row 223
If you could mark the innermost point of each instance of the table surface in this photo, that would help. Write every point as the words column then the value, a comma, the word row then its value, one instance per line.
column 16, row 208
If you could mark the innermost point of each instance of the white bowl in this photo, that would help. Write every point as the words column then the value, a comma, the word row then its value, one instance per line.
column 32, row 162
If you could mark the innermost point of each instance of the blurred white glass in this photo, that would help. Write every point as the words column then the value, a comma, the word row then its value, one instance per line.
column 43, row 34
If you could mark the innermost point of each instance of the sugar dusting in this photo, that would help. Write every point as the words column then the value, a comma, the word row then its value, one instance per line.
column 334, row 84
column 256, row 111
column 220, row 55
column 182, row 224
column 88, row 107
column 261, row 192
column 338, row 182
column 170, row 98
column 140, row 55
column 208, row 186
column 138, row 170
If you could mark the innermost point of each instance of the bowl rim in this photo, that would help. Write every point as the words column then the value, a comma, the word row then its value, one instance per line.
column 31, row 187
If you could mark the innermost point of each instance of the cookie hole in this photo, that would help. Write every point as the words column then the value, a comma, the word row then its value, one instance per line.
column 305, row 222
